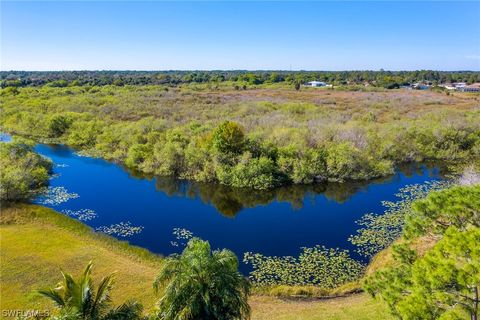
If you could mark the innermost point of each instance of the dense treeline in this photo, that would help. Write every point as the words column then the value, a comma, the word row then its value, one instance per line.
column 260, row 138
column 387, row 79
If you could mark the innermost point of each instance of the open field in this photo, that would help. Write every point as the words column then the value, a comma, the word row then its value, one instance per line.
column 37, row 242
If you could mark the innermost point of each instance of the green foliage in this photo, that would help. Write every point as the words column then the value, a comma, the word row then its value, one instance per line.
column 259, row 173
column 319, row 266
column 10, row 91
column 84, row 133
column 458, row 206
column 297, row 138
column 444, row 281
column 78, row 299
column 201, row 284
column 387, row 79
column 345, row 161
column 58, row 125
column 303, row 167
column 24, row 173
column 228, row 138
column 443, row 284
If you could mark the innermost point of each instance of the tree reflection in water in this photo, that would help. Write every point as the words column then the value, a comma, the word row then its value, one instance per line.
column 230, row 201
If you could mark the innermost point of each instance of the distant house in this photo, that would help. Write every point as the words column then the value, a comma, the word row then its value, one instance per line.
column 461, row 86
column 421, row 86
column 448, row 86
column 475, row 87
column 316, row 84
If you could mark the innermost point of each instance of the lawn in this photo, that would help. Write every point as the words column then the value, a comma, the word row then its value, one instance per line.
column 36, row 243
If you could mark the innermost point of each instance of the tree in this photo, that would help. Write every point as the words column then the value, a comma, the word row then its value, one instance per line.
column 58, row 125
column 450, row 273
column 458, row 206
column 228, row 138
column 79, row 297
column 442, row 282
column 200, row 284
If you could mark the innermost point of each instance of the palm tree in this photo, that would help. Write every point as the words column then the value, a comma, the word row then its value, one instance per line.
column 80, row 298
column 200, row 284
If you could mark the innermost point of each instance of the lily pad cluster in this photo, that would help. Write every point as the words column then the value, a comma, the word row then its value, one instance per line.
column 182, row 235
column 319, row 266
column 122, row 229
column 82, row 214
column 56, row 195
column 378, row 231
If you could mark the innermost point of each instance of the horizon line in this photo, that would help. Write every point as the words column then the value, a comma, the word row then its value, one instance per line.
column 238, row 70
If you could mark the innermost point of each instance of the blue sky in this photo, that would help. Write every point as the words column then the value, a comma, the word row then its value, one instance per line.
column 240, row 35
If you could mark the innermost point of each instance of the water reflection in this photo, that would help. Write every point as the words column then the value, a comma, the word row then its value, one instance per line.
column 230, row 201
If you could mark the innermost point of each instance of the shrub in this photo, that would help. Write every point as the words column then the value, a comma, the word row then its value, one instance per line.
column 257, row 173
column 24, row 173
column 58, row 125
column 228, row 137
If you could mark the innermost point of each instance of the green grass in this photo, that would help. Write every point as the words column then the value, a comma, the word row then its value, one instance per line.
column 36, row 243
column 358, row 307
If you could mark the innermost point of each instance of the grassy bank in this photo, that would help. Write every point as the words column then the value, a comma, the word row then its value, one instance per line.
column 36, row 243
column 358, row 307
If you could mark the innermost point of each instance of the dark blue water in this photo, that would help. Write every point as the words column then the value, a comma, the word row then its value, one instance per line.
column 277, row 222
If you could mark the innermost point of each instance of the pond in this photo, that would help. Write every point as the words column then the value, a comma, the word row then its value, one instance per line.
column 276, row 222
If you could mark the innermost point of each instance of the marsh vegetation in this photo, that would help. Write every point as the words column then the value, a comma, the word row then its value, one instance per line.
column 259, row 138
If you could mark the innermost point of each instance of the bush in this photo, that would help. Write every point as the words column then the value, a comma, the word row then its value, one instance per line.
column 257, row 173
column 303, row 167
column 24, row 173
column 228, row 137
column 58, row 125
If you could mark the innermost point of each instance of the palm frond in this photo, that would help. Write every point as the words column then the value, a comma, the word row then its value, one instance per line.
column 53, row 295
column 130, row 310
column 102, row 297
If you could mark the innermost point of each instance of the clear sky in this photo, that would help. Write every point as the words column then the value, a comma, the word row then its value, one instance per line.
column 240, row 35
